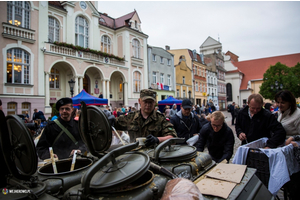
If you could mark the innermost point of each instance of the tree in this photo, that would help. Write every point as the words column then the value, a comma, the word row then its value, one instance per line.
column 289, row 77
column 295, row 80
column 54, row 111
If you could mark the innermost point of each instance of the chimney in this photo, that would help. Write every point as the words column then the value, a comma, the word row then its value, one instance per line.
column 167, row 47
column 105, row 14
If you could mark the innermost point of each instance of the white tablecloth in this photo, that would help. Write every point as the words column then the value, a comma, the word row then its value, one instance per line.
column 282, row 163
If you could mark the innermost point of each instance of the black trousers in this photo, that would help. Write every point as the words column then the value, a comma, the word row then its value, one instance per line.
column 232, row 118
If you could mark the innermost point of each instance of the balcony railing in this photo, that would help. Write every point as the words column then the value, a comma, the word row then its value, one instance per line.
column 18, row 33
column 52, row 48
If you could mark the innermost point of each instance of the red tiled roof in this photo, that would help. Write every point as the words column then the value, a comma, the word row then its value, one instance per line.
column 192, row 56
column 116, row 23
column 56, row 4
column 121, row 21
column 254, row 69
column 110, row 22
column 233, row 71
column 233, row 57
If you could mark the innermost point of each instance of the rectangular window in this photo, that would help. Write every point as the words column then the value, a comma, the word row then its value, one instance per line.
column 154, row 77
column 26, row 108
column 196, row 86
column 54, row 79
column 153, row 57
column 162, row 78
column 183, row 95
column 183, row 80
column 11, row 109
column 169, row 62
column 121, row 86
column 17, row 69
column 177, row 93
column 200, row 87
column 161, row 60
column 169, row 80
column 137, row 82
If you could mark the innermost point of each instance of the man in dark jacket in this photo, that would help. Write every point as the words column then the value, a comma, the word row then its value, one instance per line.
column 254, row 122
column 203, row 120
column 64, row 143
column 186, row 123
column 38, row 115
column 218, row 137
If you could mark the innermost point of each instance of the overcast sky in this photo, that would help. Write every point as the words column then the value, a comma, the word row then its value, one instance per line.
column 251, row 30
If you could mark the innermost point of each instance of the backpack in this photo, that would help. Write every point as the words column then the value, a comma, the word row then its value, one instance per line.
column 228, row 108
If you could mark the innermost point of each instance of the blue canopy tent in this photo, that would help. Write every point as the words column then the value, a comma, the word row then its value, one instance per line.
column 88, row 99
column 169, row 101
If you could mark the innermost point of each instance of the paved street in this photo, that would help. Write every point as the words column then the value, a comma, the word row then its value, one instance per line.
column 237, row 142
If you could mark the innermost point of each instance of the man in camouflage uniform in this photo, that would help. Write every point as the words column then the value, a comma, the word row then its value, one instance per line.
column 146, row 122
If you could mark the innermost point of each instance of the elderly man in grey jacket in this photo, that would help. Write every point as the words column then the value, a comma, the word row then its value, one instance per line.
column 173, row 111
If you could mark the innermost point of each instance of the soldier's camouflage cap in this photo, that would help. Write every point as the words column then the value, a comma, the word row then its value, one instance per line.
column 148, row 94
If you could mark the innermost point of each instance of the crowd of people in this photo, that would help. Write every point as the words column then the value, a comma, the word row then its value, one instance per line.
column 200, row 126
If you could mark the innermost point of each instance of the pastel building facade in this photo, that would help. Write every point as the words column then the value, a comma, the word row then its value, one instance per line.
column 161, row 72
column 47, row 44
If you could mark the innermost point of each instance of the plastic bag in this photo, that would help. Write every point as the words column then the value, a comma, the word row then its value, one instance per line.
column 181, row 188
column 192, row 140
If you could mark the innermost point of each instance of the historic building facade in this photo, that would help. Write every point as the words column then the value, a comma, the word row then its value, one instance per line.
column 45, row 45
column 199, row 78
column 244, row 78
column 161, row 72
column 212, row 50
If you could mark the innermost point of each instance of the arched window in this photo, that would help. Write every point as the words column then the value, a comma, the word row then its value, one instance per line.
column 229, row 91
column 11, row 108
column 136, row 48
column 18, row 13
column 136, row 81
column 18, row 66
column 53, row 28
column 54, row 79
column 105, row 44
column 81, row 32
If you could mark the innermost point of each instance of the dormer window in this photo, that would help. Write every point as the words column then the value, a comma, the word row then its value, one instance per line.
column 136, row 24
column 101, row 20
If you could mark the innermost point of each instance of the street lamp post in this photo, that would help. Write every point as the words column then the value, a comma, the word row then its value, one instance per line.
column 277, row 87
column 71, row 83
